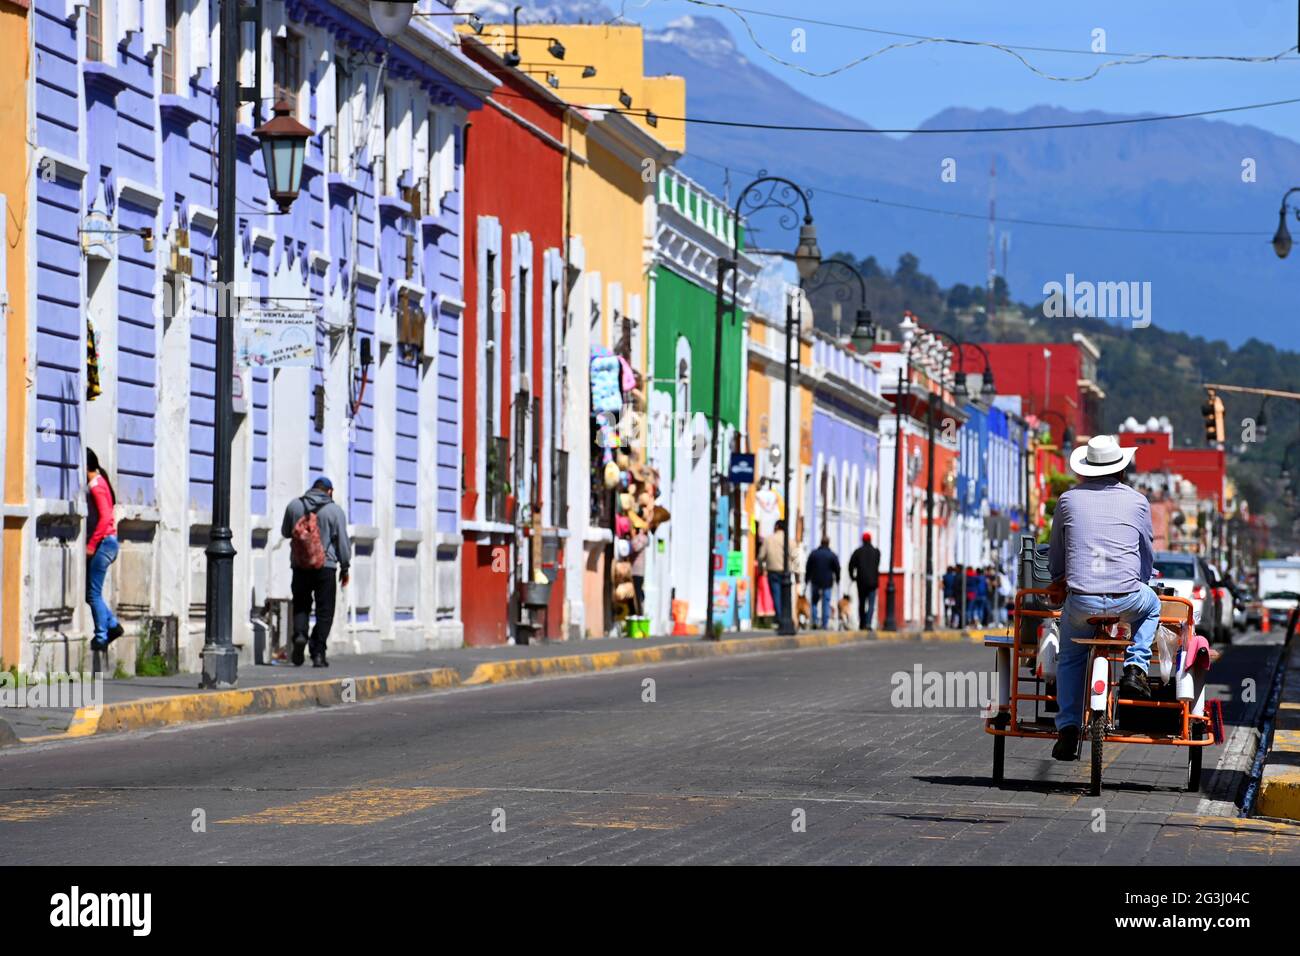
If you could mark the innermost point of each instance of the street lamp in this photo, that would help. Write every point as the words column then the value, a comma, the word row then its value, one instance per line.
column 284, row 144
column 835, row 277
column 391, row 17
column 1067, row 432
column 1282, row 238
column 908, row 330
column 765, row 192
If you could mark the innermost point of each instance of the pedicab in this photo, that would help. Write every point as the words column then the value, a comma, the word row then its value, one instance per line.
column 1026, row 702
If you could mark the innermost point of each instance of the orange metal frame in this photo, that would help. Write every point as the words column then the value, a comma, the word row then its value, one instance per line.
column 1018, row 652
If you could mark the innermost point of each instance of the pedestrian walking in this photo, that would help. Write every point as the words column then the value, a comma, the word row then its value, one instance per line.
column 823, row 571
column 101, row 551
column 319, row 549
column 982, row 598
column 772, row 558
column 864, row 570
column 950, row 600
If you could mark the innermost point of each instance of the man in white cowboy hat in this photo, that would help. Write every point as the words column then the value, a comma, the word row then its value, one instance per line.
column 1100, row 561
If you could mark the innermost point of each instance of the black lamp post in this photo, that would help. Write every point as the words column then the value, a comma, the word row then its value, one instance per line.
column 835, row 278
column 765, row 192
column 1067, row 432
column 896, row 498
column 1282, row 238
column 284, row 141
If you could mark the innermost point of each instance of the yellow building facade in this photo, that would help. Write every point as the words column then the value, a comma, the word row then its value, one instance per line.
column 765, row 421
column 15, row 189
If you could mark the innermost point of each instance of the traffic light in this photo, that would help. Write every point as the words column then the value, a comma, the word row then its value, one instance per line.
column 1212, row 412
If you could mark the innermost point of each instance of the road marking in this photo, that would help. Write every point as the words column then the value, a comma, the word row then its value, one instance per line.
column 27, row 811
column 354, row 807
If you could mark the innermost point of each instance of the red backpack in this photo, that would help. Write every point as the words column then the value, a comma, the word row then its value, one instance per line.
column 305, row 548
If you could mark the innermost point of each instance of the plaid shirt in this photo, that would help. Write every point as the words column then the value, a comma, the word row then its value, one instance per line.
column 1101, row 538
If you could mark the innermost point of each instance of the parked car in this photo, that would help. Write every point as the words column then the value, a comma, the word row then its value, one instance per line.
column 1185, row 573
column 1223, row 602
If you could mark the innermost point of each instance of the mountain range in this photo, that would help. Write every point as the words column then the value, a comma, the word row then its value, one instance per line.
column 1140, row 187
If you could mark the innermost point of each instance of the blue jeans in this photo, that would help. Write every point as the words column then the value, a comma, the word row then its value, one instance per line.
column 96, row 571
column 1140, row 610
column 821, row 602
column 774, row 585
column 866, row 607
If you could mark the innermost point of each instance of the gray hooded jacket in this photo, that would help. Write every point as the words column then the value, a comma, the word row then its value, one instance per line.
column 331, row 520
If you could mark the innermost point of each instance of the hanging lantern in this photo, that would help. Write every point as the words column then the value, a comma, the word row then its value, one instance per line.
column 284, row 146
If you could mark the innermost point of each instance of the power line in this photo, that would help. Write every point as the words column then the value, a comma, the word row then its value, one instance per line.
column 918, row 40
column 1037, row 127
column 1009, row 46
column 1004, row 219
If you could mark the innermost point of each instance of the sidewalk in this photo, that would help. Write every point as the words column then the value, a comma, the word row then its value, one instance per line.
column 144, row 702
column 1279, row 785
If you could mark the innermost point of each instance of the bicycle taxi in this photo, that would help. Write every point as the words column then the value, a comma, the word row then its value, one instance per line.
column 1026, row 693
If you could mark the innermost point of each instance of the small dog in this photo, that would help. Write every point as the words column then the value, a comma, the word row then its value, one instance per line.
column 803, row 611
column 846, row 614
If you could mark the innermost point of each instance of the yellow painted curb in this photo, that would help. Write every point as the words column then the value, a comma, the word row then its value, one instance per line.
column 146, row 713
column 153, row 712
column 1279, row 793
column 1286, row 741
column 496, row 672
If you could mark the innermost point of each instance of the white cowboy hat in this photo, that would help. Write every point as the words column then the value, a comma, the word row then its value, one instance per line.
column 1101, row 456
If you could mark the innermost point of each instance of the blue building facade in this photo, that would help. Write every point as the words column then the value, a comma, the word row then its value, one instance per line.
column 122, row 339
column 844, row 491
column 990, row 487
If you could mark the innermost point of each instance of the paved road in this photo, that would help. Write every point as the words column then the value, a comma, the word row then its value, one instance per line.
column 720, row 768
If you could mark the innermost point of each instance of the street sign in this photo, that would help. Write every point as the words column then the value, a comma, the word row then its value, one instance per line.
column 276, row 338
column 742, row 469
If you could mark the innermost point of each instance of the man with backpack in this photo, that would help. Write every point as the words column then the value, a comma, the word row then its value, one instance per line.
column 319, row 548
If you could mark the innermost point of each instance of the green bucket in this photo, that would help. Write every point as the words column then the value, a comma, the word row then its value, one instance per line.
column 638, row 627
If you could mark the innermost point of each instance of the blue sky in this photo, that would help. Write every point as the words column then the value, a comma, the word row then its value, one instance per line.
column 904, row 87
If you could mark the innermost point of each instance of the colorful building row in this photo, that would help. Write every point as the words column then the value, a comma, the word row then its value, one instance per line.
column 515, row 332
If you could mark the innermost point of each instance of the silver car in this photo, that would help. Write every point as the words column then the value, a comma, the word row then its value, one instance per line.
column 1185, row 574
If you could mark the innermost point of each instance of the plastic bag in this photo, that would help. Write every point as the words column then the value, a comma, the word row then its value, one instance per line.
column 1049, row 648
column 1166, row 642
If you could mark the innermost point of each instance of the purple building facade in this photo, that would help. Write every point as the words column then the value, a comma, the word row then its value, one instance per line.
column 844, row 488
column 122, row 290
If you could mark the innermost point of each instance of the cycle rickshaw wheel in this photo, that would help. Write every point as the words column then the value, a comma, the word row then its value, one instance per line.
column 1098, row 733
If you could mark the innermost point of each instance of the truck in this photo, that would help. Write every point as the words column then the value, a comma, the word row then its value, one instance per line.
column 1279, row 588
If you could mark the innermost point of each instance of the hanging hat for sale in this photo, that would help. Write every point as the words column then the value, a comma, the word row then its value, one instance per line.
column 661, row 515
column 641, row 472
column 623, row 461
column 638, row 523
column 1101, row 456
column 626, row 503
column 611, row 475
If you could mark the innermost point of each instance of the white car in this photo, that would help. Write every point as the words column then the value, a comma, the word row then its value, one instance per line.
column 1278, row 605
column 1183, row 573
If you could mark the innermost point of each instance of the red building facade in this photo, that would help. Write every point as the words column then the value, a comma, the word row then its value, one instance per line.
column 513, row 321
column 1206, row 468
column 1057, row 381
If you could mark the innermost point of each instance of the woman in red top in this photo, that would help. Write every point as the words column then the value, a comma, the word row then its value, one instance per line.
column 101, row 551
